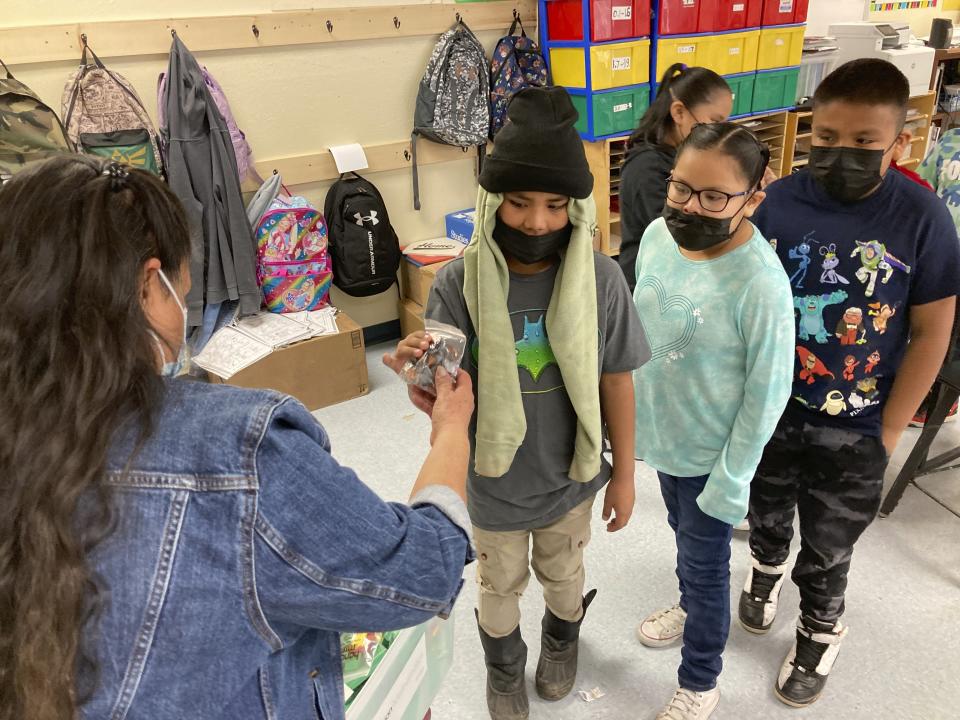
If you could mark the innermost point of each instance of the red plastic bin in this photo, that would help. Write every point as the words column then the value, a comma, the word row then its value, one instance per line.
column 679, row 17
column 720, row 15
column 609, row 19
column 784, row 12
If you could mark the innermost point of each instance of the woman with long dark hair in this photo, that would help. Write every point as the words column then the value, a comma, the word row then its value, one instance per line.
column 169, row 548
column 687, row 97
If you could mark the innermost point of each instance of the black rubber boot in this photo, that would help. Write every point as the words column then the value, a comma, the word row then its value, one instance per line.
column 506, row 660
column 559, row 648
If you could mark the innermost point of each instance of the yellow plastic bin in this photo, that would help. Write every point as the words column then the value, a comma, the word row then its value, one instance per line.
column 688, row 49
column 612, row 65
column 780, row 46
column 733, row 53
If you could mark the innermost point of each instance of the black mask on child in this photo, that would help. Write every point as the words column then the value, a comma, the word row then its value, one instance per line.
column 846, row 173
column 697, row 232
column 530, row 249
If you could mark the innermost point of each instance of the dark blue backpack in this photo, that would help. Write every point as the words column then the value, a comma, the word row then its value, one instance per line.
column 517, row 64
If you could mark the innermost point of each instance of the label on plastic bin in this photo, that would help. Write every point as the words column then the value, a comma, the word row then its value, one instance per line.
column 621, row 63
column 622, row 12
column 689, row 3
column 685, row 49
column 622, row 107
column 786, row 6
column 738, row 7
column 734, row 51
column 778, row 42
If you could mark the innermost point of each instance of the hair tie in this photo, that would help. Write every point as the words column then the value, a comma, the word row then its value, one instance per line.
column 118, row 175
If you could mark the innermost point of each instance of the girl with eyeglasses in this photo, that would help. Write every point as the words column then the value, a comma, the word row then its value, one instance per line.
column 687, row 96
column 717, row 309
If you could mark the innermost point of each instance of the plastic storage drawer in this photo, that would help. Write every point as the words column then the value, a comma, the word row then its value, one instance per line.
column 742, row 88
column 609, row 19
column 784, row 12
column 690, row 50
column 611, row 66
column 614, row 113
column 720, row 15
column 780, row 46
column 679, row 17
column 730, row 53
column 775, row 89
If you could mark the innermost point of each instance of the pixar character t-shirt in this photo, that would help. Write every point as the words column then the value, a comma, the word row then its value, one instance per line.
column 855, row 270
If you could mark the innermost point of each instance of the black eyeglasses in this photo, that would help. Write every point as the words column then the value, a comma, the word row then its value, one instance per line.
column 710, row 200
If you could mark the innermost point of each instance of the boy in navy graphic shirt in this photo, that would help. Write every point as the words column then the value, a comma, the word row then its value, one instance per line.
column 874, row 261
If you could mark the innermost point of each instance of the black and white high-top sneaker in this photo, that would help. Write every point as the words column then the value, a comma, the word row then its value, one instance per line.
column 804, row 672
column 761, row 593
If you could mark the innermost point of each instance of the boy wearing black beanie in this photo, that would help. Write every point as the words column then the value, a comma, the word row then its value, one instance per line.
column 545, row 317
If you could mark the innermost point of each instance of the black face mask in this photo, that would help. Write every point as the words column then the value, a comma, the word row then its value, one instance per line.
column 846, row 173
column 530, row 249
column 697, row 232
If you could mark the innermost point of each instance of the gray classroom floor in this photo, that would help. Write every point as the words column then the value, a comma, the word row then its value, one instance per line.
column 901, row 659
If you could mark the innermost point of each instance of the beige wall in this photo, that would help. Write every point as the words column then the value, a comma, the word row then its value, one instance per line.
column 291, row 101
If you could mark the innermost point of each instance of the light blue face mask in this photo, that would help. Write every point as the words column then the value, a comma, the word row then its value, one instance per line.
column 172, row 369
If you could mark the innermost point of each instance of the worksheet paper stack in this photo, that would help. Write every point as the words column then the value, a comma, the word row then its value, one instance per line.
column 244, row 342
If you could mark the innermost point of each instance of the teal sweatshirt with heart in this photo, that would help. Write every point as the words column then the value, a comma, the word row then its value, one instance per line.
column 722, row 338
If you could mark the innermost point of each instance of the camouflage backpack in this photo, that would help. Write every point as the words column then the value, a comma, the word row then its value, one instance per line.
column 453, row 99
column 104, row 116
column 30, row 132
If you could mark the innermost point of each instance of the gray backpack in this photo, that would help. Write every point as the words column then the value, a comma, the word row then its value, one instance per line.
column 453, row 105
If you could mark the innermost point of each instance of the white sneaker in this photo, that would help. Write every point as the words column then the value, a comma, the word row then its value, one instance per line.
column 690, row 705
column 662, row 628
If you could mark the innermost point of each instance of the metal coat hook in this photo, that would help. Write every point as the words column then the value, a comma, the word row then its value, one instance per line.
column 406, row 155
column 516, row 15
column 275, row 172
column 256, row 31
column 459, row 19
column 396, row 22
column 329, row 26
column 173, row 32
column 83, row 39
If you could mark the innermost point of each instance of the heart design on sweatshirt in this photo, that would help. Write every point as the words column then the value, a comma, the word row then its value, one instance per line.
column 670, row 329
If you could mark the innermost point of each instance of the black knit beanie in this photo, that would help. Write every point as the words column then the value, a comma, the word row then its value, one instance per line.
column 538, row 148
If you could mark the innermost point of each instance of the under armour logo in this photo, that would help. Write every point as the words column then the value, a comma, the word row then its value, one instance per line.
column 371, row 218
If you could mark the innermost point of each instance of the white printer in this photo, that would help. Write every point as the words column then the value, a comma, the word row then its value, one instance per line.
column 889, row 41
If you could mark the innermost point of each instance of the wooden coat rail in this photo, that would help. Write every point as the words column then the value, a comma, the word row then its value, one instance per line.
column 53, row 43
column 320, row 167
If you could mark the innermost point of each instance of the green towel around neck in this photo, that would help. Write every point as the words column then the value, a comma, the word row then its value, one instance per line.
column 571, row 328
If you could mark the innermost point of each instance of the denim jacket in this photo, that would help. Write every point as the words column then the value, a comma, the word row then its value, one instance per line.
column 241, row 550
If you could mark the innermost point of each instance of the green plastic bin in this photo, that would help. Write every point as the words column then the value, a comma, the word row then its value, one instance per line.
column 741, row 85
column 615, row 112
column 775, row 89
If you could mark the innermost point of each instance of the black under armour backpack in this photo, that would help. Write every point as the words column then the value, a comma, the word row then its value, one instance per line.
column 362, row 243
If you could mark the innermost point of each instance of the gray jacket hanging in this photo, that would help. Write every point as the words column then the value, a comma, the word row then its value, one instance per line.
column 202, row 172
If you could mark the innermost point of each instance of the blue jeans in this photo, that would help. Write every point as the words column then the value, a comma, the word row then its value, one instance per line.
column 703, row 568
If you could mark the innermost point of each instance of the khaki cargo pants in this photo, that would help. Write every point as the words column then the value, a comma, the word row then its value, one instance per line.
column 504, row 562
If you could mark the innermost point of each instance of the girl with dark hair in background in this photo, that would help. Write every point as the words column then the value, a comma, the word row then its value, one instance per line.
column 718, row 313
column 686, row 98
column 172, row 548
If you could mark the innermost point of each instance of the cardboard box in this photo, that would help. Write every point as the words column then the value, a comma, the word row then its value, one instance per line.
column 318, row 372
column 411, row 317
column 418, row 279
column 460, row 225
column 408, row 678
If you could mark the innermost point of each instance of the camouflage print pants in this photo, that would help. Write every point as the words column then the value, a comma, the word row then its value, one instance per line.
column 834, row 479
